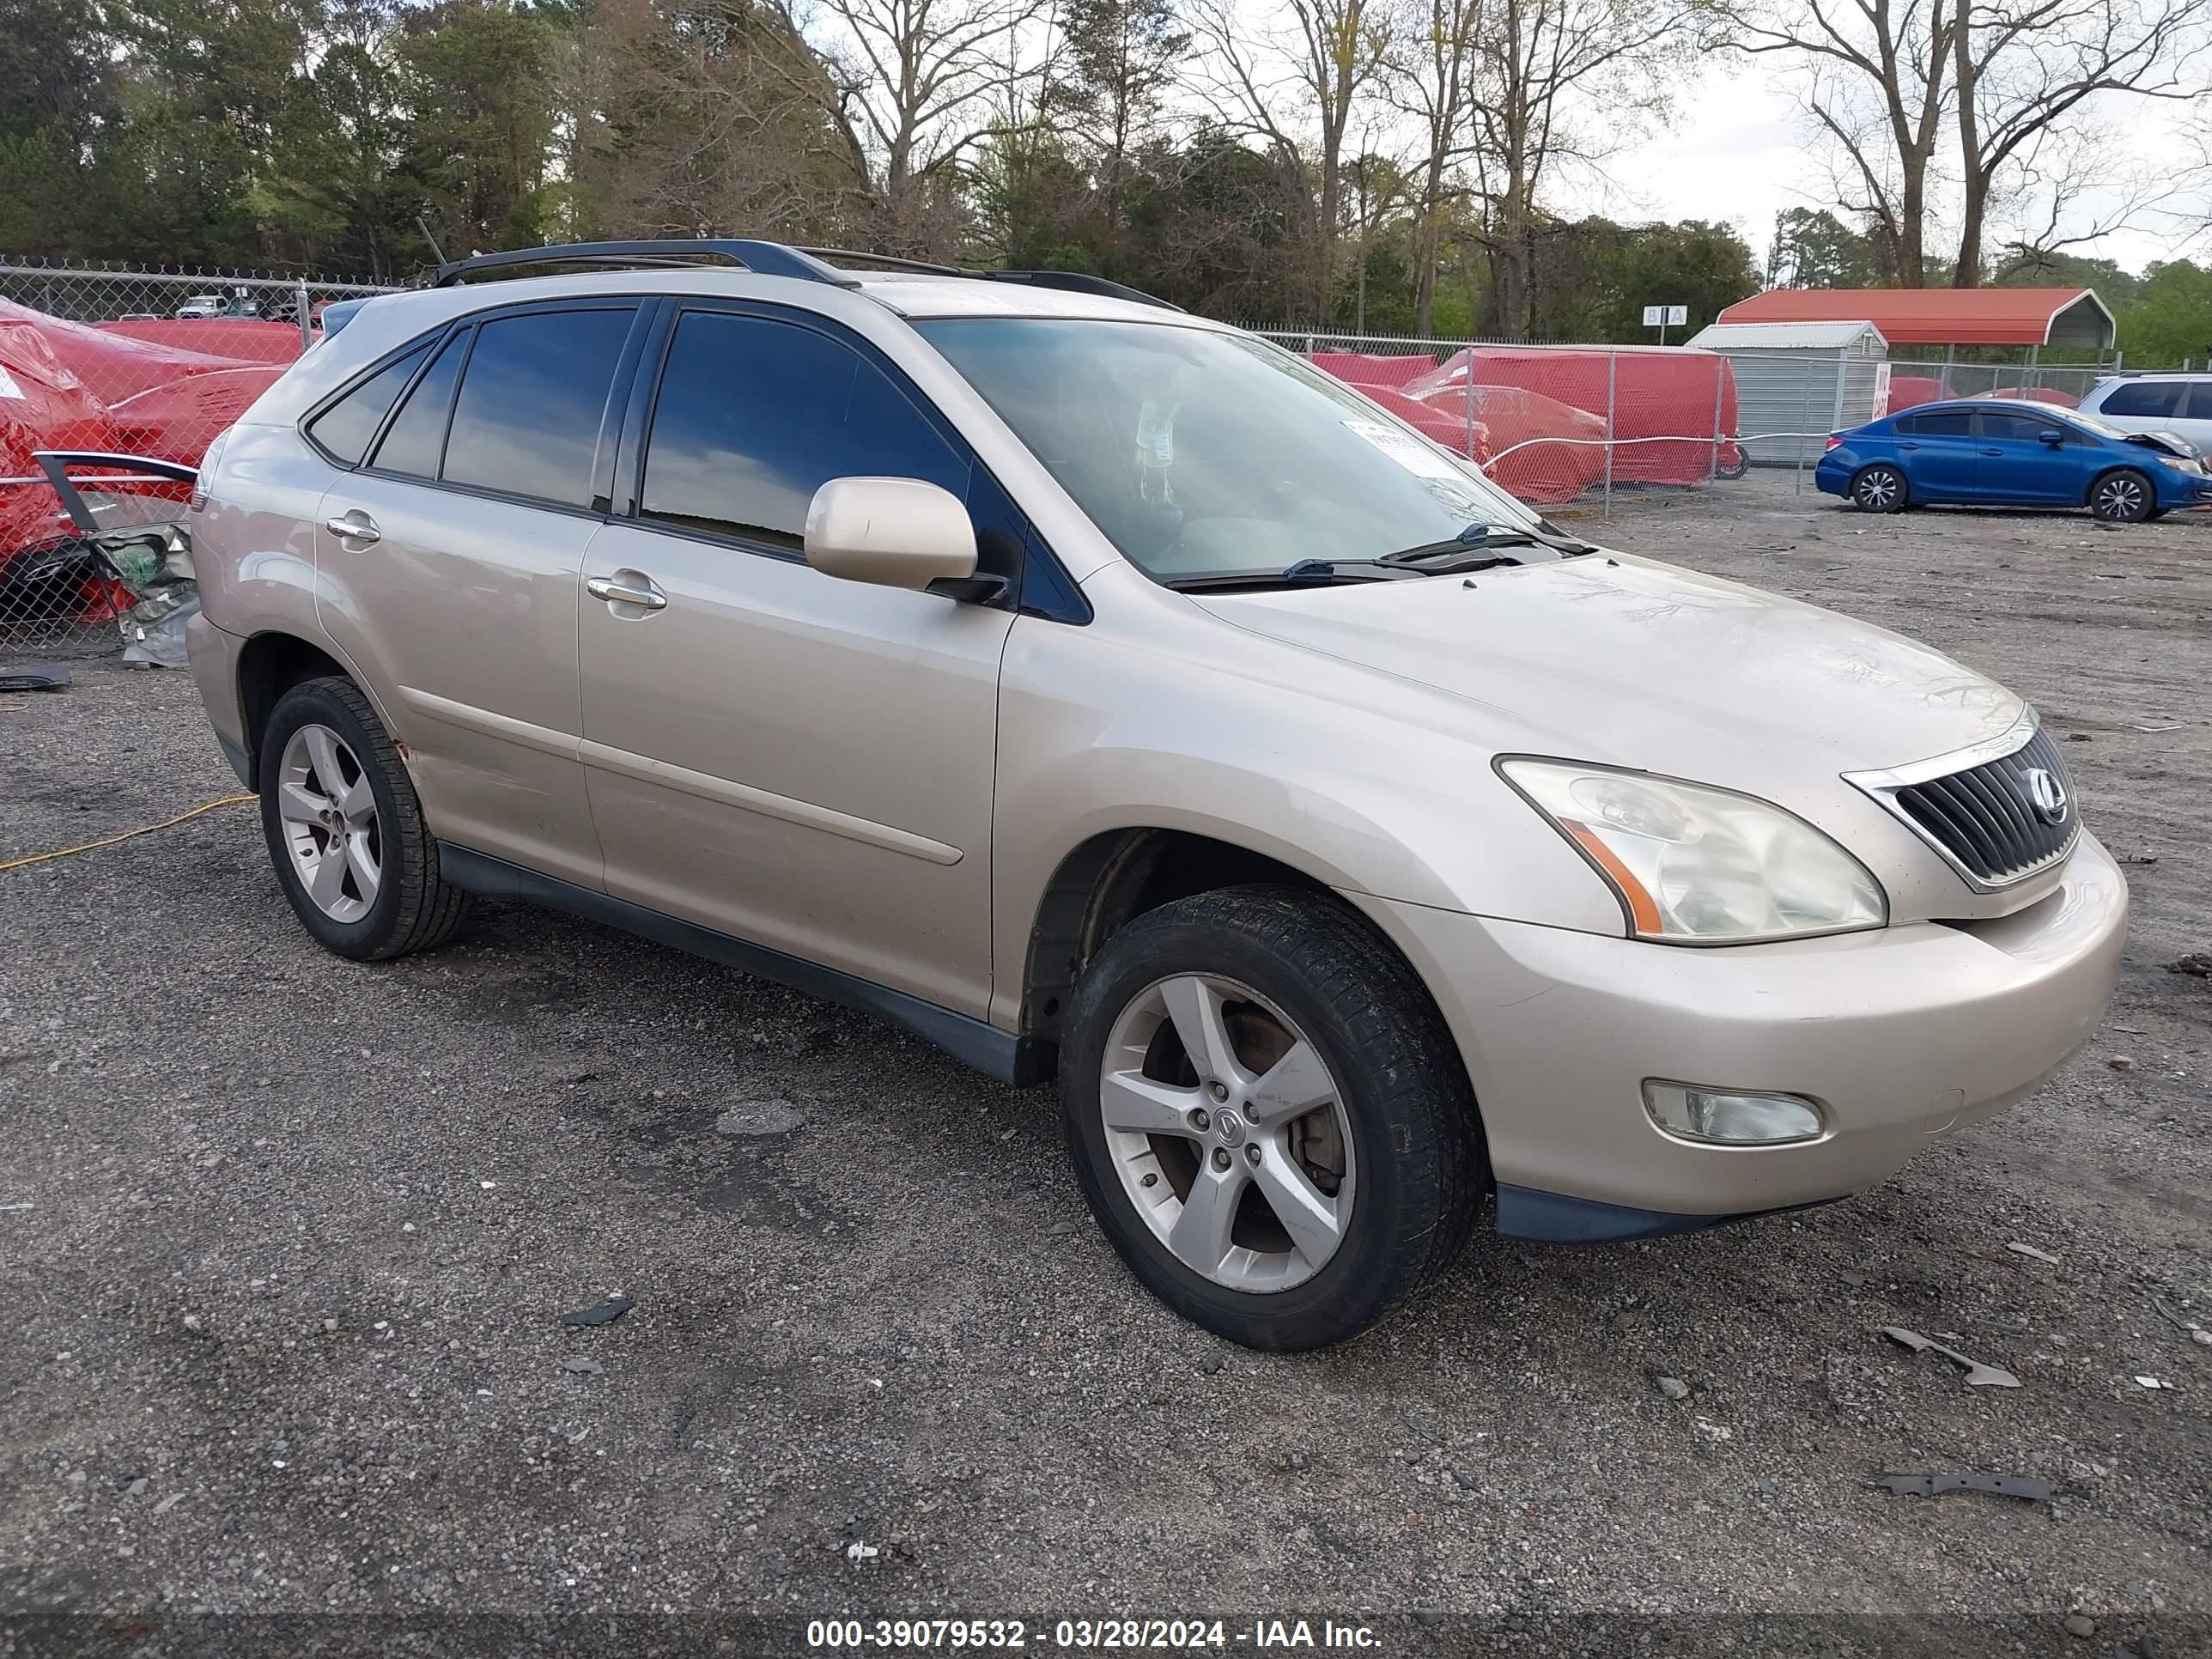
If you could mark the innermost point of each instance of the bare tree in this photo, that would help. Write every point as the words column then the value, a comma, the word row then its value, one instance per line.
column 704, row 117
column 1877, row 87
column 1433, row 74
column 1295, row 86
column 917, row 84
column 1557, row 79
column 2023, row 71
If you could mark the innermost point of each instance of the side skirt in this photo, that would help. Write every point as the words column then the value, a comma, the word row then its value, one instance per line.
column 1555, row 1218
column 1018, row 1060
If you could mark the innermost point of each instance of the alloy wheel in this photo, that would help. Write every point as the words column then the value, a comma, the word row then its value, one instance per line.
column 328, row 813
column 1228, row 1132
column 2120, row 498
column 1877, row 491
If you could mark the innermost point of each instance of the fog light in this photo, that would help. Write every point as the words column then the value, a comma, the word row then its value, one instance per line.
column 1728, row 1119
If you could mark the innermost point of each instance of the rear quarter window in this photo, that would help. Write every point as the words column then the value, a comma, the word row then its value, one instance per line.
column 345, row 429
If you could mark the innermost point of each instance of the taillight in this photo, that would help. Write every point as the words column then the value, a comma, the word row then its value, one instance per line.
column 1835, row 441
column 209, row 459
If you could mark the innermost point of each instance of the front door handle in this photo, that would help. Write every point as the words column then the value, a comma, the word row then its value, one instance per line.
column 1993, row 451
column 645, row 598
column 353, row 525
column 1908, row 446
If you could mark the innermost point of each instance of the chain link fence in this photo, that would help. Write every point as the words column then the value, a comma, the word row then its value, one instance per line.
column 131, row 364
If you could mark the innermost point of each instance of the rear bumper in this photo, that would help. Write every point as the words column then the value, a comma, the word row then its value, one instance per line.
column 1900, row 1034
column 214, row 657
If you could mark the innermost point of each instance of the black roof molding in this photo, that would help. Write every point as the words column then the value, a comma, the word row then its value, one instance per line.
column 763, row 258
column 816, row 264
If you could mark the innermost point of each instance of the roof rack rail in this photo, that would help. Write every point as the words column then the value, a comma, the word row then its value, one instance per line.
column 884, row 261
column 763, row 258
column 1074, row 281
column 1077, row 282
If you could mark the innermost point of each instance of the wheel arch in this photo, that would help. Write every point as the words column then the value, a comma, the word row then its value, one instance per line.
column 1114, row 877
column 271, row 663
column 2150, row 484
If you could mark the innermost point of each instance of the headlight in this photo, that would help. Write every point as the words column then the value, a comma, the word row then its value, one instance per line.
column 1702, row 866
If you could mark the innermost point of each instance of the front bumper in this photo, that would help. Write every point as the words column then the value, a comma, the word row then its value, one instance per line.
column 1901, row 1035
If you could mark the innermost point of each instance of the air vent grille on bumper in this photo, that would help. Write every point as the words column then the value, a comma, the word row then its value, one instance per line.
column 2001, row 819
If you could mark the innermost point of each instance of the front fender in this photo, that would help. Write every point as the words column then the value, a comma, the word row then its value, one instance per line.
column 1185, row 723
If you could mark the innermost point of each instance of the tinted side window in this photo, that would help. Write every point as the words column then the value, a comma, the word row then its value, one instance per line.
column 346, row 427
column 2006, row 427
column 1941, row 423
column 2199, row 407
column 417, row 436
column 2145, row 398
column 754, row 415
column 527, row 417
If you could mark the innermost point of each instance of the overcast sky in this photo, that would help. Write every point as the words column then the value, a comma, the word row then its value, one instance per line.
column 1737, row 154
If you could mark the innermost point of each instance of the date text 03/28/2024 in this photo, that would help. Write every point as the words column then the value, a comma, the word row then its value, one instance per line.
column 1090, row 1635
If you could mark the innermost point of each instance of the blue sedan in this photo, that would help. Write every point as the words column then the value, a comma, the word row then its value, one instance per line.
column 1991, row 454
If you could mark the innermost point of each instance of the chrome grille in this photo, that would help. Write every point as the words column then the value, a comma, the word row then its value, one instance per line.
column 1997, row 820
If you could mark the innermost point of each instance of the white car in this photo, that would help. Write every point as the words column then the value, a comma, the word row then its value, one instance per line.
column 202, row 305
column 2178, row 403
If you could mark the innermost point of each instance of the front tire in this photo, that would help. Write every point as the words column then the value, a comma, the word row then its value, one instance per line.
column 1879, row 489
column 345, row 830
column 2122, row 497
column 1268, row 1117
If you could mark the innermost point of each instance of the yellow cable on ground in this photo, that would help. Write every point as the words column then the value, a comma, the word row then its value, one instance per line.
column 148, row 830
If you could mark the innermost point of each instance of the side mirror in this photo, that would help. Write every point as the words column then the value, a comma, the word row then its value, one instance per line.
column 2051, row 435
column 894, row 533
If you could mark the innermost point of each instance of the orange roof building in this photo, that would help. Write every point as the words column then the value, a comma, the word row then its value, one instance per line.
column 1943, row 316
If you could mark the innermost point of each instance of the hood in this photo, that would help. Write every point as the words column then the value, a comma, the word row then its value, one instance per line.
column 1611, row 658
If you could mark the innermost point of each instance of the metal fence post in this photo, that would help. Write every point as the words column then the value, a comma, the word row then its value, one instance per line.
column 1612, row 377
column 1804, row 417
column 1469, row 389
column 1720, row 365
column 306, row 328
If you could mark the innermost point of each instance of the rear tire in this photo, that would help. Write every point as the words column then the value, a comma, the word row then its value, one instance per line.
column 1879, row 489
column 1337, row 1166
column 2125, row 496
column 345, row 828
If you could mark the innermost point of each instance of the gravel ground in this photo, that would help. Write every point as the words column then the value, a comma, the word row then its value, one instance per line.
column 285, row 1242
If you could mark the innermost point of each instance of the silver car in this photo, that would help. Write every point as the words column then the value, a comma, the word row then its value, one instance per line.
column 1118, row 700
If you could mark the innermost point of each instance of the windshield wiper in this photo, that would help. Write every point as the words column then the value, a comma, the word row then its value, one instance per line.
column 1438, row 558
column 1306, row 573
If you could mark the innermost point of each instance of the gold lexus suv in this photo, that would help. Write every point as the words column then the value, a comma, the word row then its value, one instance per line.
column 1116, row 699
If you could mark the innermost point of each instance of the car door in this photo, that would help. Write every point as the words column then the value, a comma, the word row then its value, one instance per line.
column 800, row 761
column 2016, row 463
column 1937, row 449
column 450, row 566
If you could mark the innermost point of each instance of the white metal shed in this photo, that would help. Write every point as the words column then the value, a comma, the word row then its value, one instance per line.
column 1800, row 378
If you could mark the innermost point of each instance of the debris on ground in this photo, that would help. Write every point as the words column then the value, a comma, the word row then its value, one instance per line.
column 1673, row 1387
column 35, row 679
column 2153, row 1383
column 605, row 1314
column 856, row 1552
column 2081, row 1624
column 2019, row 1249
column 760, row 1117
column 1978, row 1376
column 1930, row 1485
column 2121, row 1063
column 2196, row 963
column 582, row 1366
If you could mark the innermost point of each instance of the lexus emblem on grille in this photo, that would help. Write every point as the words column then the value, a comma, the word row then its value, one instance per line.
column 2048, row 794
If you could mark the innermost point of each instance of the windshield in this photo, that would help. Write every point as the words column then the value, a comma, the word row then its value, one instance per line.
column 1200, row 453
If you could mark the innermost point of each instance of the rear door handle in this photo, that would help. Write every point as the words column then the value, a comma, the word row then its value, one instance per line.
column 645, row 598
column 353, row 525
